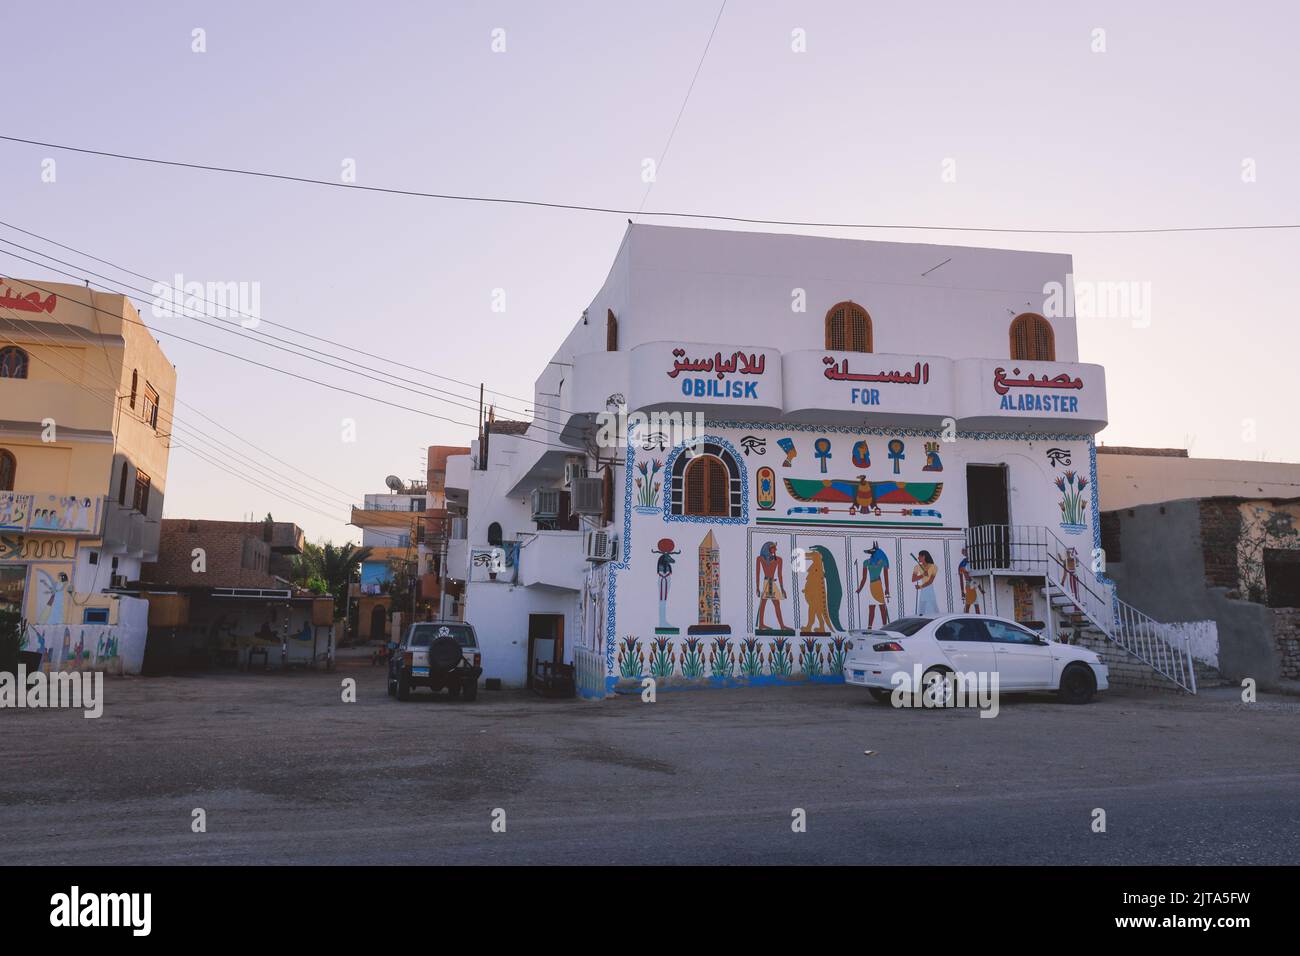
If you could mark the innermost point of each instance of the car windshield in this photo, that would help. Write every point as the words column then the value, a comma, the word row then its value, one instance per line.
column 907, row 626
column 422, row 635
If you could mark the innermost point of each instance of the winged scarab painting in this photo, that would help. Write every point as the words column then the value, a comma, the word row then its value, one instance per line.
column 864, row 495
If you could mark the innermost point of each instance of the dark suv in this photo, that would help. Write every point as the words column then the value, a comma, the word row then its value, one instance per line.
column 436, row 654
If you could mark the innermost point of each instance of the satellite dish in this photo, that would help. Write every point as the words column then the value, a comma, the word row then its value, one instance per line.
column 393, row 482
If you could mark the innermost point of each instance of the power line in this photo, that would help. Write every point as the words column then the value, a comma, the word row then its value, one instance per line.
column 417, row 390
column 215, row 464
column 611, row 210
column 303, row 332
column 271, row 368
column 191, row 431
column 176, row 421
column 682, row 109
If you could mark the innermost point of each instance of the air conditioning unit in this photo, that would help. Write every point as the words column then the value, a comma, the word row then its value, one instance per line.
column 587, row 496
column 546, row 504
column 600, row 546
column 574, row 469
column 117, row 581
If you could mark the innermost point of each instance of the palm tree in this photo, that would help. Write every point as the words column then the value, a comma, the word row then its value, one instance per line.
column 337, row 566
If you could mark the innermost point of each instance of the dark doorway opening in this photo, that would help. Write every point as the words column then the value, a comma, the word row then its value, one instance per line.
column 545, row 644
column 378, row 622
column 987, row 506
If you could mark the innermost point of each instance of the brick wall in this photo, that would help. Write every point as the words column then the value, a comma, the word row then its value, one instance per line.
column 1286, row 635
column 1220, row 531
column 234, row 553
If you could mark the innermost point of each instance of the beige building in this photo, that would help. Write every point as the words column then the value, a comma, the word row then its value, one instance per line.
column 86, row 399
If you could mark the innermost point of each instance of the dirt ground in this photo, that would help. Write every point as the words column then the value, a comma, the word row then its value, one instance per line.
column 286, row 772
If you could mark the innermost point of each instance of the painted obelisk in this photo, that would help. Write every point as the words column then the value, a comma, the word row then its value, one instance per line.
column 710, row 574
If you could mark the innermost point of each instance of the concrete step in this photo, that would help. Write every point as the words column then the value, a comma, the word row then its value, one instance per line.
column 1125, row 668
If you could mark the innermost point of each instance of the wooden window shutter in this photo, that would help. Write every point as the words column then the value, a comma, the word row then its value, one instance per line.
column 695, row 503
column 848, row 328
column 719, row 488
column 1032, row 339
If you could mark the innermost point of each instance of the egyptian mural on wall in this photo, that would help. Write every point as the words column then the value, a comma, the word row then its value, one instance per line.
column 823, row 530
column 76, row 647
column 1265, row 525
column 75, row 514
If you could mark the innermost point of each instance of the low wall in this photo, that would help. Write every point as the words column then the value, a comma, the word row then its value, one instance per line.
column 112, row 648
column 1286, row 635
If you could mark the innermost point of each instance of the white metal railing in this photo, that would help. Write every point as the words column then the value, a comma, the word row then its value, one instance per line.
column 1036, row 550
column 1145, row 637
column 1033, row 549
column 589, row 669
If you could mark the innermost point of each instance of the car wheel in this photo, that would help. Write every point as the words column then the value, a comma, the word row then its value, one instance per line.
column 403, row 686
column 880, row 695
column 453, row 689
column 944, row 694
column 1078, row 684
column 392, row 686
column 470, row 690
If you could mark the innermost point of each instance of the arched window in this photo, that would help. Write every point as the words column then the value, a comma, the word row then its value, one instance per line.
column 848, row 328
column 1032, row 339
column 706, row 488
column 707, row 484
column 494, row 535
column 8, row 468
column 13, row 362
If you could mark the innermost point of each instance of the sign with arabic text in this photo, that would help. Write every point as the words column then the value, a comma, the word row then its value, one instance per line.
column 686, row 373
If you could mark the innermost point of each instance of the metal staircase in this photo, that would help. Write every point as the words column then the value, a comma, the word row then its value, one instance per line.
column 1079, row 597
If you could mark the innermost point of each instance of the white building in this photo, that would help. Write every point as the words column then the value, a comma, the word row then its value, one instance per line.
column 871, row 412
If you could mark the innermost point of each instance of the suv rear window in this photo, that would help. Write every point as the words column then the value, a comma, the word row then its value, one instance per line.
column 422, row 635
column 907, row 626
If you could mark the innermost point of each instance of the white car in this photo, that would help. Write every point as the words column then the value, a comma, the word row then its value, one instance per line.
column 1024, row 660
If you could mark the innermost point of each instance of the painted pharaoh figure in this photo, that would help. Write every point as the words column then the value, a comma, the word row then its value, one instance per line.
column 876, row 570
column 923, row 574
column 769, row 582
column 664, row 570
column 970, row 588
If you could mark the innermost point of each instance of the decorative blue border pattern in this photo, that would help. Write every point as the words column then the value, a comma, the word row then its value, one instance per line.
column 624, row 562
column 706, row 519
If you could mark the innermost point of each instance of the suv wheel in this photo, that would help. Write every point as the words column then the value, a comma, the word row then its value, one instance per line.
column 470, row 690
column 444, row 653
column 392, row 686
column 453, row 689
column 403, row 686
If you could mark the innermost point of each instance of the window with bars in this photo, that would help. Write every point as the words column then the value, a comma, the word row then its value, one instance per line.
column 1032, row 339
column 150, row 410
column 706, row 484
column 706, row 488
column 848, row 328
column 140, row 499
column 13, row 362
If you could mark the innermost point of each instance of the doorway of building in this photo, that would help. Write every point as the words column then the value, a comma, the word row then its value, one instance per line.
column 987, row 503
column 378, row 622
column 545, row 642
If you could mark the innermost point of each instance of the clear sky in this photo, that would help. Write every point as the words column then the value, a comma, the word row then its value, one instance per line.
column 1043, row 132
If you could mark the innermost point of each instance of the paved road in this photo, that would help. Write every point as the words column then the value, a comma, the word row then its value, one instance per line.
column 288, row 773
